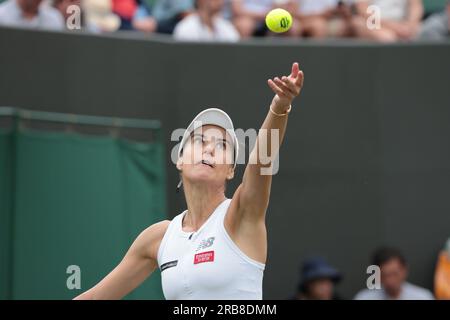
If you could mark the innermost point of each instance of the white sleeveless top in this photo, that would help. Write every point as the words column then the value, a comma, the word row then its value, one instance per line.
column 207, row 264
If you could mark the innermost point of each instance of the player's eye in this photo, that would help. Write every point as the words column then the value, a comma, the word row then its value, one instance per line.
column 198, row 139
column 221, row 145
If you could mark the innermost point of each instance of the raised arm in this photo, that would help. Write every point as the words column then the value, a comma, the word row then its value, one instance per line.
column 138, row 263
column 253, row 193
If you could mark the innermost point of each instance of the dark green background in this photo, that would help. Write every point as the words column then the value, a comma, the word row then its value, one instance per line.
column 75, row 200
column 366, row 160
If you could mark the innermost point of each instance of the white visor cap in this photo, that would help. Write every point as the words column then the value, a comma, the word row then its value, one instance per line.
column 212, row 116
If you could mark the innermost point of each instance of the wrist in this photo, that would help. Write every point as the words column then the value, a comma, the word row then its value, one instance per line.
column 279, row 113
column 278, row 108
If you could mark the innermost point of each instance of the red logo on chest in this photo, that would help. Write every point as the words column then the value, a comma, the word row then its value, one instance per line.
column 204, row 257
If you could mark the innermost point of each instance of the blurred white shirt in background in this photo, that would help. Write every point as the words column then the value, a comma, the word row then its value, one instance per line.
column 311, row 7
column 47, row 17
column 390, row 9
column 192, row 28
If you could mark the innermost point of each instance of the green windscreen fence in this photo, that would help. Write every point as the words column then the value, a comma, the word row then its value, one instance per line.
column 68, row 199
column 6, row 151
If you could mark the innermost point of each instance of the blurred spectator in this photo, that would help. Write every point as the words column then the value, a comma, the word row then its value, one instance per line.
column 394, row 271
column 318, row 280
column 227, row 12
column 30, row 14
column 206, row 24
column 437, row 26
column 324, row 18
column 400, row 19
column 99, row 15
column 249, row 16
column 169, row 12
column 125, row 9
column 63, row 5
column 442, row 274
column 142, row 19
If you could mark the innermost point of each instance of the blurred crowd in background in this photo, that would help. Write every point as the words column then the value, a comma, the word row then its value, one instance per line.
column 233, row 20
column 319, row 280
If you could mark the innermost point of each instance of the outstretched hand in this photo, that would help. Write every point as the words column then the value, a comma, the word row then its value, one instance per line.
column 286, row 88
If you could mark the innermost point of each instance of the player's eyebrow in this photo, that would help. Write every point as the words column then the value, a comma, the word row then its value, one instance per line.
column 217, row 139
column 225, row 140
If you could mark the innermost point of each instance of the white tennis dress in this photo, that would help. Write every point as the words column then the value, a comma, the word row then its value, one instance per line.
column 207, row 264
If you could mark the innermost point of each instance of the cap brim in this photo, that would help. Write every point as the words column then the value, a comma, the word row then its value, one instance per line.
column 211, row 116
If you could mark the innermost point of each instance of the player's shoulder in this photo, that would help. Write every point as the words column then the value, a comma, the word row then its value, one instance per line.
column 156, row 230
column 151, row 237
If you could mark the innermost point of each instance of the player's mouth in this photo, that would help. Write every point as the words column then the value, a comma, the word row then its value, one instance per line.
column 207, row 163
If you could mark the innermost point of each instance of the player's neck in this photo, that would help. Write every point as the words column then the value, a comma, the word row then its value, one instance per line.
column 201, row 201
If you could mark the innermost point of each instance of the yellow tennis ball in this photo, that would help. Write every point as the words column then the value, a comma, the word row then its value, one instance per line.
column 279, row 20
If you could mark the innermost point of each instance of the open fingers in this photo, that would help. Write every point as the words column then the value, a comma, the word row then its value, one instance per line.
column 287, row 91
column 295, row 70
column 292, row 85
column 300, row 78
column 277, row 90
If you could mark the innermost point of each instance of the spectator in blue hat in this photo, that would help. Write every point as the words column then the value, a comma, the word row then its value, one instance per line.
column 318, row 280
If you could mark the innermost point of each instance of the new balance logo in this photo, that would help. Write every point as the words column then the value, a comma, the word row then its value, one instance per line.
column 206, row 243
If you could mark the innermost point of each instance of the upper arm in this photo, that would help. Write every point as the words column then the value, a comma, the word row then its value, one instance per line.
column 138, row 263
column 255, row 191
column 250, row 200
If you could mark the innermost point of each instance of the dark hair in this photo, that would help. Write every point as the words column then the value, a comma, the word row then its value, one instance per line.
column 385, row 254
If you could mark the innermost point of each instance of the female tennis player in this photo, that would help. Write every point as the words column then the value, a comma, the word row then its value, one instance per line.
column 217, row 248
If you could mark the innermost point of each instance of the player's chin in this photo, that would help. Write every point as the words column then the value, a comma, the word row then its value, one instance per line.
column 212, row 181
column 203, row 173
